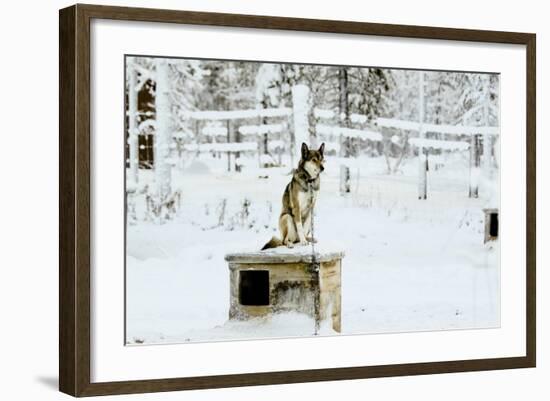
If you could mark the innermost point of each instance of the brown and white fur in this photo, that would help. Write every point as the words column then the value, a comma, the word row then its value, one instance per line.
column 299, row 200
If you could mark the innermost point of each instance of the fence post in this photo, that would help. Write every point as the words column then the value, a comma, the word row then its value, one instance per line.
column 300, row 105
column 228, row 127
column 487, row 139
column 422, row 158
column 345, row 143
column 474, row 166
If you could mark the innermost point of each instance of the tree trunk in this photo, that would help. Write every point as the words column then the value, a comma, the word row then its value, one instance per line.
column 264, row 136
column 237, row 134
column 345, row 176
column 423, row 174
column 422, row 157
column 162, row 132
column 133, row 140
column 487, row 139
column 228, row 141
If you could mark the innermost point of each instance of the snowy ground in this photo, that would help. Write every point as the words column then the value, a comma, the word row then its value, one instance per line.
column 410, row 265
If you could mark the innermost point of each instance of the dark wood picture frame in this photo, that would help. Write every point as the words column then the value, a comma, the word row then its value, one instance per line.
column 74, row 199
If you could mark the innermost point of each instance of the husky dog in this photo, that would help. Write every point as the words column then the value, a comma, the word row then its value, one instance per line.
column 299, row 199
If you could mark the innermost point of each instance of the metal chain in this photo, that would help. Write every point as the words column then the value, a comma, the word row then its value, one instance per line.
column 312, row 225
column 315, row 268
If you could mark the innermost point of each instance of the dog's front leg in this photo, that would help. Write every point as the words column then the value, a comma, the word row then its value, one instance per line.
column 307, row 227
column 297, row 217
column 301, row 234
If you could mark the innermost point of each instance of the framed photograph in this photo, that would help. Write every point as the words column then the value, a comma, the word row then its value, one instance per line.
column 249, row 200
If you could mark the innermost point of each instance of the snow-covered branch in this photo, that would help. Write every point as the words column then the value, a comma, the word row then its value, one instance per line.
column 324, row 113
column 441, row 128
column 222, row 147
column 438, row 144
column 237, row 114
column 261, row 129
column 349, row 132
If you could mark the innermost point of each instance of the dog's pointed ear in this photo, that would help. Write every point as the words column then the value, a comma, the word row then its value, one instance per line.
column 322, row 149
column 305, row 150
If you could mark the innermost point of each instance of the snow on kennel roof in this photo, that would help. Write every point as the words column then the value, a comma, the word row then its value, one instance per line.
column 437, row 144
column 282, row 254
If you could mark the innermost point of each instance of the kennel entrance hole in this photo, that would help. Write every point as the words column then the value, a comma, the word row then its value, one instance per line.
column 254, row 287
column 493, row 224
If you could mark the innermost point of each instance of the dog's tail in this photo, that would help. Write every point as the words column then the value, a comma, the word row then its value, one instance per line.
column 274, row 242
